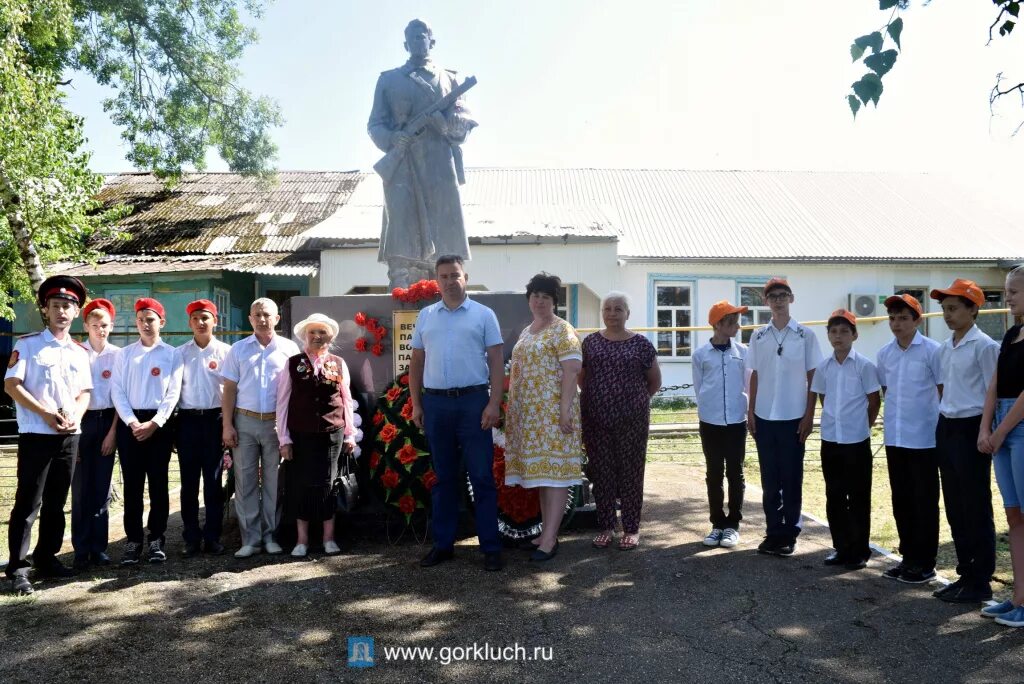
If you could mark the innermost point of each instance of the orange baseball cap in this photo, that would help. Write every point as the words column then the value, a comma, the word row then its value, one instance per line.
column 961, row 287
column 775, row 283
column 906, row 300
column 843, row 314
column 720, row 310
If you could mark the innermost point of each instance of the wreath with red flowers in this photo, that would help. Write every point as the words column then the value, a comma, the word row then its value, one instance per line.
column 417, row 292
column 401, row 467
column 377, row 332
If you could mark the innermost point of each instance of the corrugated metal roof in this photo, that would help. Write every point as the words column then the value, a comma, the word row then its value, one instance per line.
column 264, row 263
column 222, row 213
column 745, row 215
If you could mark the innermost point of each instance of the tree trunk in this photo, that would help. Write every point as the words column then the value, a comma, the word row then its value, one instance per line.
column 10, row 206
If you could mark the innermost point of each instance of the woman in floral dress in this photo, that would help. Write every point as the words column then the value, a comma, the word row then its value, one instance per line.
column 542, row 424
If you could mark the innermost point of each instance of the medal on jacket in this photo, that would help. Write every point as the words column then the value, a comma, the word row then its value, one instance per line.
column 302, row 368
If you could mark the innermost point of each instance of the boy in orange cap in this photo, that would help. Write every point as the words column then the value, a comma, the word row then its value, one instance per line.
column 910, row 373
column 720, row 387
column 968, row 360
column 90, row 486
column 847, row 384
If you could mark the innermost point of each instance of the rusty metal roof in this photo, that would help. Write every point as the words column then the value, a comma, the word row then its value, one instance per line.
column 264, row 263
column 222, row 213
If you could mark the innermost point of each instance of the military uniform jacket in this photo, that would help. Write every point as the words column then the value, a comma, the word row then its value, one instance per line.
column 55, row 372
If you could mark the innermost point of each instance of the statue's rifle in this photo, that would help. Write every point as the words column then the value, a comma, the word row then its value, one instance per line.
column 388, row 164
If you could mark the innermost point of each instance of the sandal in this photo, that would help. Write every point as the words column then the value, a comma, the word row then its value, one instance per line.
column 602, row 541
column 629, row 542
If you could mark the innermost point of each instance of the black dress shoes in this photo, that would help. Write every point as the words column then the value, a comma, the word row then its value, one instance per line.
column 55, row 569
column 190, row 550
column 21, row 586
column 539, row 556
column 436, row 556
column 834, row 558
column 214, row 548
column 493, row 562
column 100, row 559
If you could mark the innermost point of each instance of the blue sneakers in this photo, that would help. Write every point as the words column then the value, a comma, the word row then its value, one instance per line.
column 1015, row 618
column 997, row 609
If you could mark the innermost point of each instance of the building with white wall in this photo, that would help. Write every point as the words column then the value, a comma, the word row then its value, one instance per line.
column 677, row 241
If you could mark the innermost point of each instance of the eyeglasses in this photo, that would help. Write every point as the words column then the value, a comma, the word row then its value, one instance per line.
column 778, row 296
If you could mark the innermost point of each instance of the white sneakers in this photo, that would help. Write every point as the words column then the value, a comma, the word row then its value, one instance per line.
column 247, row 551
column 299, row 551
column 714, row 537
column 730, row 538
column 273, row 548
column 331, row 548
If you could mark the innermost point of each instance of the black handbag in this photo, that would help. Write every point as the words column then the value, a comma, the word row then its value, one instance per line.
column 346, row 486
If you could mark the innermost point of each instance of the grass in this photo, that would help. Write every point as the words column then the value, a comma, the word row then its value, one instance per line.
column 687, row 449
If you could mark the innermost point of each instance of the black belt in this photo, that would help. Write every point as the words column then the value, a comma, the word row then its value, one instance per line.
column 456, row 391
column 198, row 412
column 99, row 412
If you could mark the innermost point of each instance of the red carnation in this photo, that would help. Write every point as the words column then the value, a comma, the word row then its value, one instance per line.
column 389, row 479
column 398, row 293
column 407, row 504
column 388, row 433
column 406, row 412
column 360, row 344
column 371, row 323
column 377, row 349
column 379, row 333
column 360, row 318
column 392, row 394
column 378, row 418
column 429, row 479
column 374, row 460
column 407, row 454
column 404, row 380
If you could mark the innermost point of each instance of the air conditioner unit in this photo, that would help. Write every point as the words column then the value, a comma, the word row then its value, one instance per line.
column 865, row 304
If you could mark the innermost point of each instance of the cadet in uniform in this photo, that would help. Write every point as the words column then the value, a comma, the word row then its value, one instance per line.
column 48, row 378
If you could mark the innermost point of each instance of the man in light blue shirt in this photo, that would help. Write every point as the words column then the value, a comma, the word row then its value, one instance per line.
column 457, row 355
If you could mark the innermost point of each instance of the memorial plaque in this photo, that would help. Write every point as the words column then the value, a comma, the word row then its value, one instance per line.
column 403, row 324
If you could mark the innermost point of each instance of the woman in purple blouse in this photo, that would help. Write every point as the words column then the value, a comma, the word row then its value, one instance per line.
column 620, row 375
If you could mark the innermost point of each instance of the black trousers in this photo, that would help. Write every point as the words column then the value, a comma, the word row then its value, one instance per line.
column 847, row 472
column 90, row 486
column 200, row 455
column 724, row 450
column 914, row 481
column 967, row 492
column 45, row 466
column 142, row 463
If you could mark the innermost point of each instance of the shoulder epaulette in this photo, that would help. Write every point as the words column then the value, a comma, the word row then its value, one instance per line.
column 761, row 333
column 28, row 335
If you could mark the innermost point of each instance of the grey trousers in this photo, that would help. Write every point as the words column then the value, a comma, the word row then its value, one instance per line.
column 256, row 497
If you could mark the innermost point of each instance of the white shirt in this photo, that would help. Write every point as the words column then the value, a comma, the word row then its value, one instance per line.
column 102, row 364
column 967, row 370
column 146, row 378
column 201, row 381
column 55, row 372
column 255, row 369
column 909, row 377
column 720, row 383
column 782, row 378
column 846, row 386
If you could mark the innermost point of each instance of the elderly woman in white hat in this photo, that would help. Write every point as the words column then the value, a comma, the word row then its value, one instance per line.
column 314, row 424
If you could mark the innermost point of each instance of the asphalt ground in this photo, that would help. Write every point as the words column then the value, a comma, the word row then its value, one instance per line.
column 670, row 610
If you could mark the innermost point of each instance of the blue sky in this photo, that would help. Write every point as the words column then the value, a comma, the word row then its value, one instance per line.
column 706, row 84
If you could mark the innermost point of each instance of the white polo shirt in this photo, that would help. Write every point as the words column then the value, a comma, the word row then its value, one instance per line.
column 720, row 383
column 146, row 378
column 967, row 370
column 846, row 386
column 55, row 372
column 255, row 369
column 909, row 377
column 102, row 365
column 782, row 377
column 201, row 383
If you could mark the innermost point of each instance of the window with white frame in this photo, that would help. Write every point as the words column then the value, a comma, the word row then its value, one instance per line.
column 752, row 297
column 673, row 308
column 564, row 303
column 222, row 300
column 918, row 292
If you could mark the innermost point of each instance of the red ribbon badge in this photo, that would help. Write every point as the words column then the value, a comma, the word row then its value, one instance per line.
column 155, row 372
column 213, row 365
column 105, row 374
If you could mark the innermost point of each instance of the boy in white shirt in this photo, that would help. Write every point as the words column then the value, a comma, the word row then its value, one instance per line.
column 720, row 387
column 147, row 382
column 968, row 359
column 849, row 389
column 911, row 377
column 782, row 357
column 198, row 429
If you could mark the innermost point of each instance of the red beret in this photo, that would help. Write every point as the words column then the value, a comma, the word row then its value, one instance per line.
column 201, row 305
column 100, row 303
column 151, row 304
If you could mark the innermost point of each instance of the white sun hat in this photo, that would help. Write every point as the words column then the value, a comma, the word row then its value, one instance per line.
column 330, row 323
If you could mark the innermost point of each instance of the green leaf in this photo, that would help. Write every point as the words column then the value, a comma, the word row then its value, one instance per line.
column 1013, row 8
column 1006, row 28
column 894, row 30
column 871, row 40
column 882, row 62
column 868, row 88
column 856, row 51
column 886, row 4
column 854, row 104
